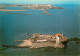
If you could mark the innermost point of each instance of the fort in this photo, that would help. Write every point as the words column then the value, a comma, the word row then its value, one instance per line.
column 44, row 40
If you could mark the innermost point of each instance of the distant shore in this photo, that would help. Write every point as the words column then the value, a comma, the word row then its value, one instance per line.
column 10, row 10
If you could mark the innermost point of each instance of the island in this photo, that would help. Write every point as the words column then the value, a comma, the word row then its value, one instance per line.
column 44, row 40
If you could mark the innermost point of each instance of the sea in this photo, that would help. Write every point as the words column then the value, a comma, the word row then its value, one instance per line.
column 15, row 25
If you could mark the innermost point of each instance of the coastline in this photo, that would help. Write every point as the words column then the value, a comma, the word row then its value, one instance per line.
column 11, row 10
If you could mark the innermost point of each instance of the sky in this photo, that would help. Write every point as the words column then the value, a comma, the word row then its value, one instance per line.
column 37, row 1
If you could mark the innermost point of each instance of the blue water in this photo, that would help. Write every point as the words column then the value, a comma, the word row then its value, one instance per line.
column 15, row 26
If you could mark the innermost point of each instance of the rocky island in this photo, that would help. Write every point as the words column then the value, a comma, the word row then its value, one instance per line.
column 44, row 40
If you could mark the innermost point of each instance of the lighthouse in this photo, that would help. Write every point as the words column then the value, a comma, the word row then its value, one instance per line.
column 57, row 40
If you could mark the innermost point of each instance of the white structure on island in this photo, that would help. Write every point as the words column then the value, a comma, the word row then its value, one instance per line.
column 57, row 41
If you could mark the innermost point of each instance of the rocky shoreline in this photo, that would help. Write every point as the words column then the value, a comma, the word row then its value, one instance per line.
column 41, row 40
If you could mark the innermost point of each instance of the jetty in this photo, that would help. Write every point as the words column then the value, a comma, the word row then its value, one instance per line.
column 10, row 10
